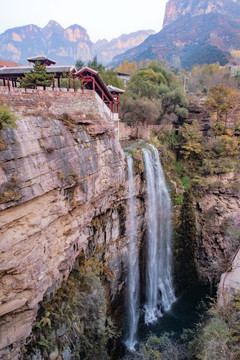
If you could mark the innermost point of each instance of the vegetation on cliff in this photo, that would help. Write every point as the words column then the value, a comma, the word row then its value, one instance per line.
column 75, row 322
column 7, row 118
column 203, row 77
column 153, row 95
column 218, row 336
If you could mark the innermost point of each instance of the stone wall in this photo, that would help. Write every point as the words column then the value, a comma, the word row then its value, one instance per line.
column 57, row 101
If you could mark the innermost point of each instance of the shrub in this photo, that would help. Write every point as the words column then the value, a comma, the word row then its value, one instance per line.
column 226, row 146
column 7, row 118
column 185, row 183
column 178, row 199
column 219, row 337
column 78, row 310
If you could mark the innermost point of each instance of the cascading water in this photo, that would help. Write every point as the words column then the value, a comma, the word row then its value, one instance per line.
column 159, row 282
column 133, row 260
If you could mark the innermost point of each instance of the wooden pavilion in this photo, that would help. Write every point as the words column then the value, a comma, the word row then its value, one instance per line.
column 92, row 81
column 12, row 74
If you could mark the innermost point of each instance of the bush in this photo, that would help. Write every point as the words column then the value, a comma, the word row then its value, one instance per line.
column 78, row 310
column 7, row 118
column 226, row 146
column 219, row 338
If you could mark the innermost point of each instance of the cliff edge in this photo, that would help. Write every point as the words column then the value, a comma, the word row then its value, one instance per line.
column 61, row 167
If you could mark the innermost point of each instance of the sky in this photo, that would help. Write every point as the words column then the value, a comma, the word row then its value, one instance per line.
column 101, row 18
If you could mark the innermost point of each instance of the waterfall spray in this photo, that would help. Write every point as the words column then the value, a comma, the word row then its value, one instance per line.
column 133, row 260
column 159, row 281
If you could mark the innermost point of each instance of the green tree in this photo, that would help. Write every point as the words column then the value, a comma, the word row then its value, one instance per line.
column 95, row 65
column 110, row 77
column 142, row 110
column 37, row 77
column 160, row 86
column 190, row 142
column 79, row 64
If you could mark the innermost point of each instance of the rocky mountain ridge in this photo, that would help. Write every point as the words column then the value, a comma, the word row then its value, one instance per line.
column 176, row 9
column 63, row 45
column 194, row 32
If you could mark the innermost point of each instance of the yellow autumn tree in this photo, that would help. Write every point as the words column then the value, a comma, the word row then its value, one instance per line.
column 127, row 67
column 191, row 137
column 221, row 103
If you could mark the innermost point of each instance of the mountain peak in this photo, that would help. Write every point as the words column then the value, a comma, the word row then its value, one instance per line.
column 177, row 8
column 194, row 32
column 53, row 23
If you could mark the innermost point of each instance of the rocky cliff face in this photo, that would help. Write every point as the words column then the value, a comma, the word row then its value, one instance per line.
column 63, row 45
column 107, row 50
column 194, row 32
column 229, row 286
column 176, row 9
column 218, row 225
column 61, row 169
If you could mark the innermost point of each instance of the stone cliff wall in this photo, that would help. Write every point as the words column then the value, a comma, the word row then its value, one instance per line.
column 229, row 286
column 59, row 170
column 217, row 225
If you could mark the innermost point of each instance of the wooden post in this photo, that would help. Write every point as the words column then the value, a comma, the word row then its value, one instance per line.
column 4, row 82
column 8, row 84
column 118, row 104
column 59, row 82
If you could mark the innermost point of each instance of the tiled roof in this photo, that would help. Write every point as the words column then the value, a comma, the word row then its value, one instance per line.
column 26, row 69
column 60, row 68
column 115, row 89
column 8, row 63
column 15, row 70
column 41, row 58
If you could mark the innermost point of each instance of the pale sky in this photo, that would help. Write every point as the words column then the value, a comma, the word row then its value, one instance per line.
column 101, row 18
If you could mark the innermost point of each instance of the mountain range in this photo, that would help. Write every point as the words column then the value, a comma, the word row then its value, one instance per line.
column 194, row 32
column 63, row 45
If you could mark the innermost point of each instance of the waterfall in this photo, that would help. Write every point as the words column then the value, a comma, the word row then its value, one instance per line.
column 133, row 260
column 159, row 281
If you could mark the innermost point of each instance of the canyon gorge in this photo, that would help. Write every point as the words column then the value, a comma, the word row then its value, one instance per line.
column 64, row 203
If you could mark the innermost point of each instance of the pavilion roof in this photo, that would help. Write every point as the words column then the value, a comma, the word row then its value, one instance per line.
column 114, row 89
column 41, row 58
column 21, row 70
column 60, row 68
column 15, row 70
column 123, row 74
column 86, row 71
